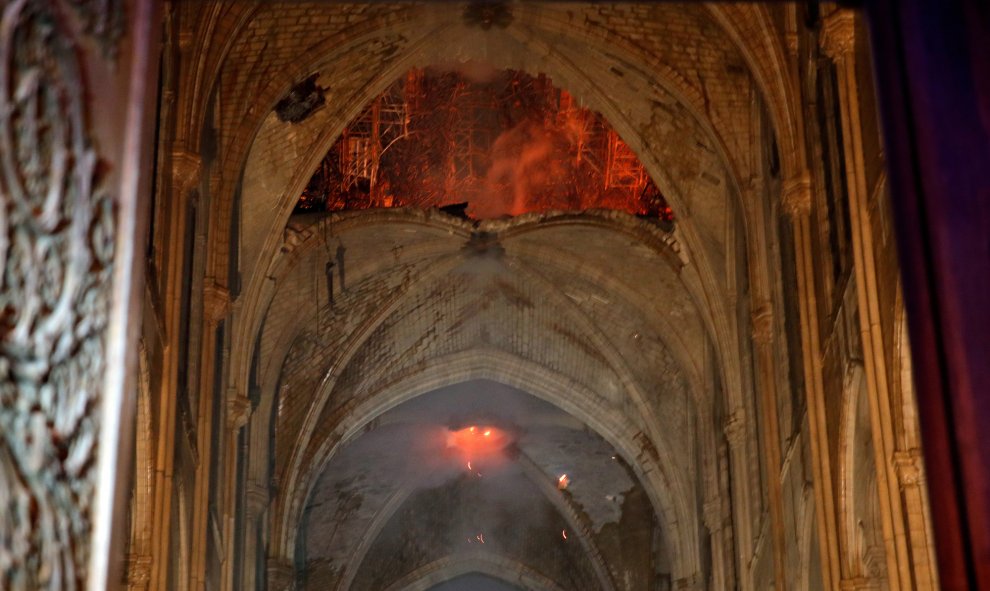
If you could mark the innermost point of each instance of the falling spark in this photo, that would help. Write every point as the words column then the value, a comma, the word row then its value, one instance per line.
column 563, row 482
column 480, row 538
column 563, row 532
column 469, row 466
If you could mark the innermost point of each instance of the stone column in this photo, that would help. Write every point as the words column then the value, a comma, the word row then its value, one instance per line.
column 766, row 382
column 185, row 167
column 255, row 511
column 735, row 437
column 796, row 203
column 911, row 479
column 237, row 409
column 716, row 517
column 838, row 40
column 215, row 305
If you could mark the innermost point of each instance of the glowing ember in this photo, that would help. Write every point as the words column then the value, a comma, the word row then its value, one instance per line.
column 480, row 538
column 469, row 466
column 563, row 482
column 563, row 532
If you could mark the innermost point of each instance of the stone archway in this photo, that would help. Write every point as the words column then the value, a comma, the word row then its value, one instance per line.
column 497, row 567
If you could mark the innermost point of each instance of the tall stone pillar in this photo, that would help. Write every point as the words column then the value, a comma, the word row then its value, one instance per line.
column 796, row 203
column 215, row 305
column 766, row 382
column 838, row 40
column 735, row 437
column 237, row 412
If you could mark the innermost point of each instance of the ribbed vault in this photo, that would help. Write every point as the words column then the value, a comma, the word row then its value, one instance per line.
column 709, row 362
column 513, row 302
column 629, row 328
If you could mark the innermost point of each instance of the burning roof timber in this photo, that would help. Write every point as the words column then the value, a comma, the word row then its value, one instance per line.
column 504, row 142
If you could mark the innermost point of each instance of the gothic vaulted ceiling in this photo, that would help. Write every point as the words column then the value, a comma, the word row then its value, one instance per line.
column 449, row 401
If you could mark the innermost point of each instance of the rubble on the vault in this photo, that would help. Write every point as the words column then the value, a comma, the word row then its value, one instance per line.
column 458, row 210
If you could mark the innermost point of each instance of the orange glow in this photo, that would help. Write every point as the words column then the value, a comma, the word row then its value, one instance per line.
column 506, row 145
column 482, row 440
column 478, row 446
column 563, row 482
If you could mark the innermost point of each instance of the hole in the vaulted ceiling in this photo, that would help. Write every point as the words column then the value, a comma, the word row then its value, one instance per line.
column 478, row 142
column 302, row 100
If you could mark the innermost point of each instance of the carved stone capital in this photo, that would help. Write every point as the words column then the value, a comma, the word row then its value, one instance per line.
column 216, row 302
column 838, row 34
column 138, row 571
column 238, row 410
column 910, row 467
column 791, row 41
column 185, row 170
column 795, row 197
column 735, row 428
column 714, row 514
column 256, row 497
column 281, row 575
column 762, row 321
column 692, row 583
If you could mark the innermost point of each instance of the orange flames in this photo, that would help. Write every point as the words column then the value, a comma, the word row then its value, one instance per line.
column 478, row 445
column 507, row 144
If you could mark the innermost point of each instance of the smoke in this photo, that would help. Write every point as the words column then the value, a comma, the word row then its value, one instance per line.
column 537, row 166
column 521, row 161
column 460, row 483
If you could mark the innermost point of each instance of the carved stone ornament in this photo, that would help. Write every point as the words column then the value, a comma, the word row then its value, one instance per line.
column 838, row 34
column 185, row 170
column 795, row 197
column 138, row 571
column 909, row 466
column 56, row 257
column 735, row 428
column 257, row 498
column 238, row 410
column 216, row 302
column 281, row 575
column 762, row 324
column 487, row 14
column 713, row 514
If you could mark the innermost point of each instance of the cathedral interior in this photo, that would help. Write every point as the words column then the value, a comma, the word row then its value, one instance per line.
column 459, row 296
